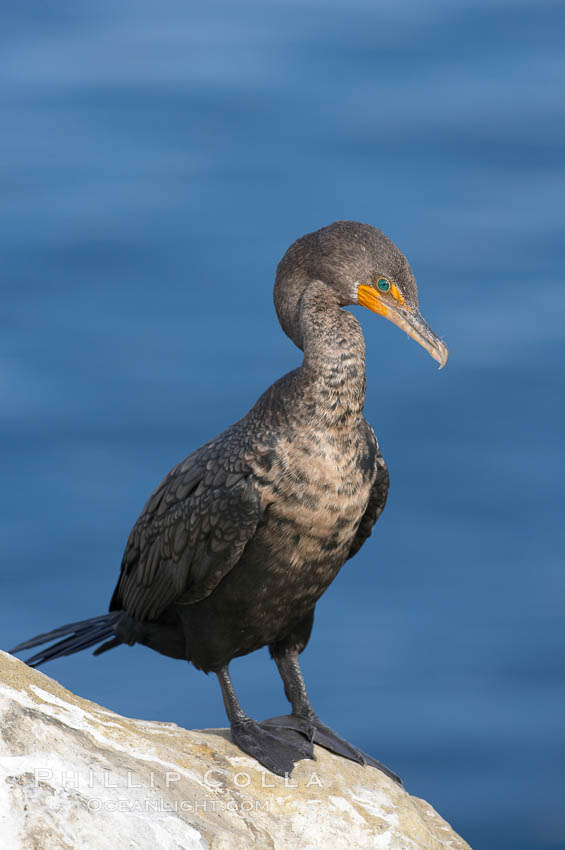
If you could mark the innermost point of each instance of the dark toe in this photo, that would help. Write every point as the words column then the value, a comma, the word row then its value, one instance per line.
column 371, row 762
column 327, row 738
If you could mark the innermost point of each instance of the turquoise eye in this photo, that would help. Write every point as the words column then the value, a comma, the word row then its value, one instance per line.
column 383, row 285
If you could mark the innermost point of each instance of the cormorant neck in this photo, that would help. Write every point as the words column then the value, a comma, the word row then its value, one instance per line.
column 333, row 369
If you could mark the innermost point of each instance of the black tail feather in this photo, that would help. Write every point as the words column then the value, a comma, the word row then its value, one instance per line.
column 77, row 636
column 110, row 644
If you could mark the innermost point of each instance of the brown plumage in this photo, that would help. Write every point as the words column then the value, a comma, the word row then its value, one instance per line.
column 239, row 541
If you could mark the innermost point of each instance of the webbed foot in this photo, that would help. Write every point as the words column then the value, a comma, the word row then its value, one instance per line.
column 314, row 730
column 276, row 749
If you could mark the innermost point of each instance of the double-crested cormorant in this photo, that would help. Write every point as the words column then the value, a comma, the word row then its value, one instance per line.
column 239, row 541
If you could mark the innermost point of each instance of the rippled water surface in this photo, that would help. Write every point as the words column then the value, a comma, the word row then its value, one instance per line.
column 156, row 161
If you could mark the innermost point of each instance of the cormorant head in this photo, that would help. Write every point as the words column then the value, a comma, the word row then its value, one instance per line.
column 361, row 266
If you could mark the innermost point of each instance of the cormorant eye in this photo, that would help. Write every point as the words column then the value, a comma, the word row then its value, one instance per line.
column 383, row 285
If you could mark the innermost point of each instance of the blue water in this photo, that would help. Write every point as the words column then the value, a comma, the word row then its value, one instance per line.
column 156, row 161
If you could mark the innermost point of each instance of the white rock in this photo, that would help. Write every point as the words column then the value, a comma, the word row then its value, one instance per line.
column 75, row 775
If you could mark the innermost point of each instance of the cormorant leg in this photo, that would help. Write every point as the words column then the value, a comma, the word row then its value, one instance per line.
column 278, row 750
column 305, row 720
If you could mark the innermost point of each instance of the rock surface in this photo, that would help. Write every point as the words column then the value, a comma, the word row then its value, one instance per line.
column 73, row 774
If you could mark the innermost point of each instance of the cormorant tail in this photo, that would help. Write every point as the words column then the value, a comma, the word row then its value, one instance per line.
column 76, row 636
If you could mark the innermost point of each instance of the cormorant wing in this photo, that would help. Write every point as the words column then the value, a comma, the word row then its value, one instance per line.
column 377, row 498
column 191, row 532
